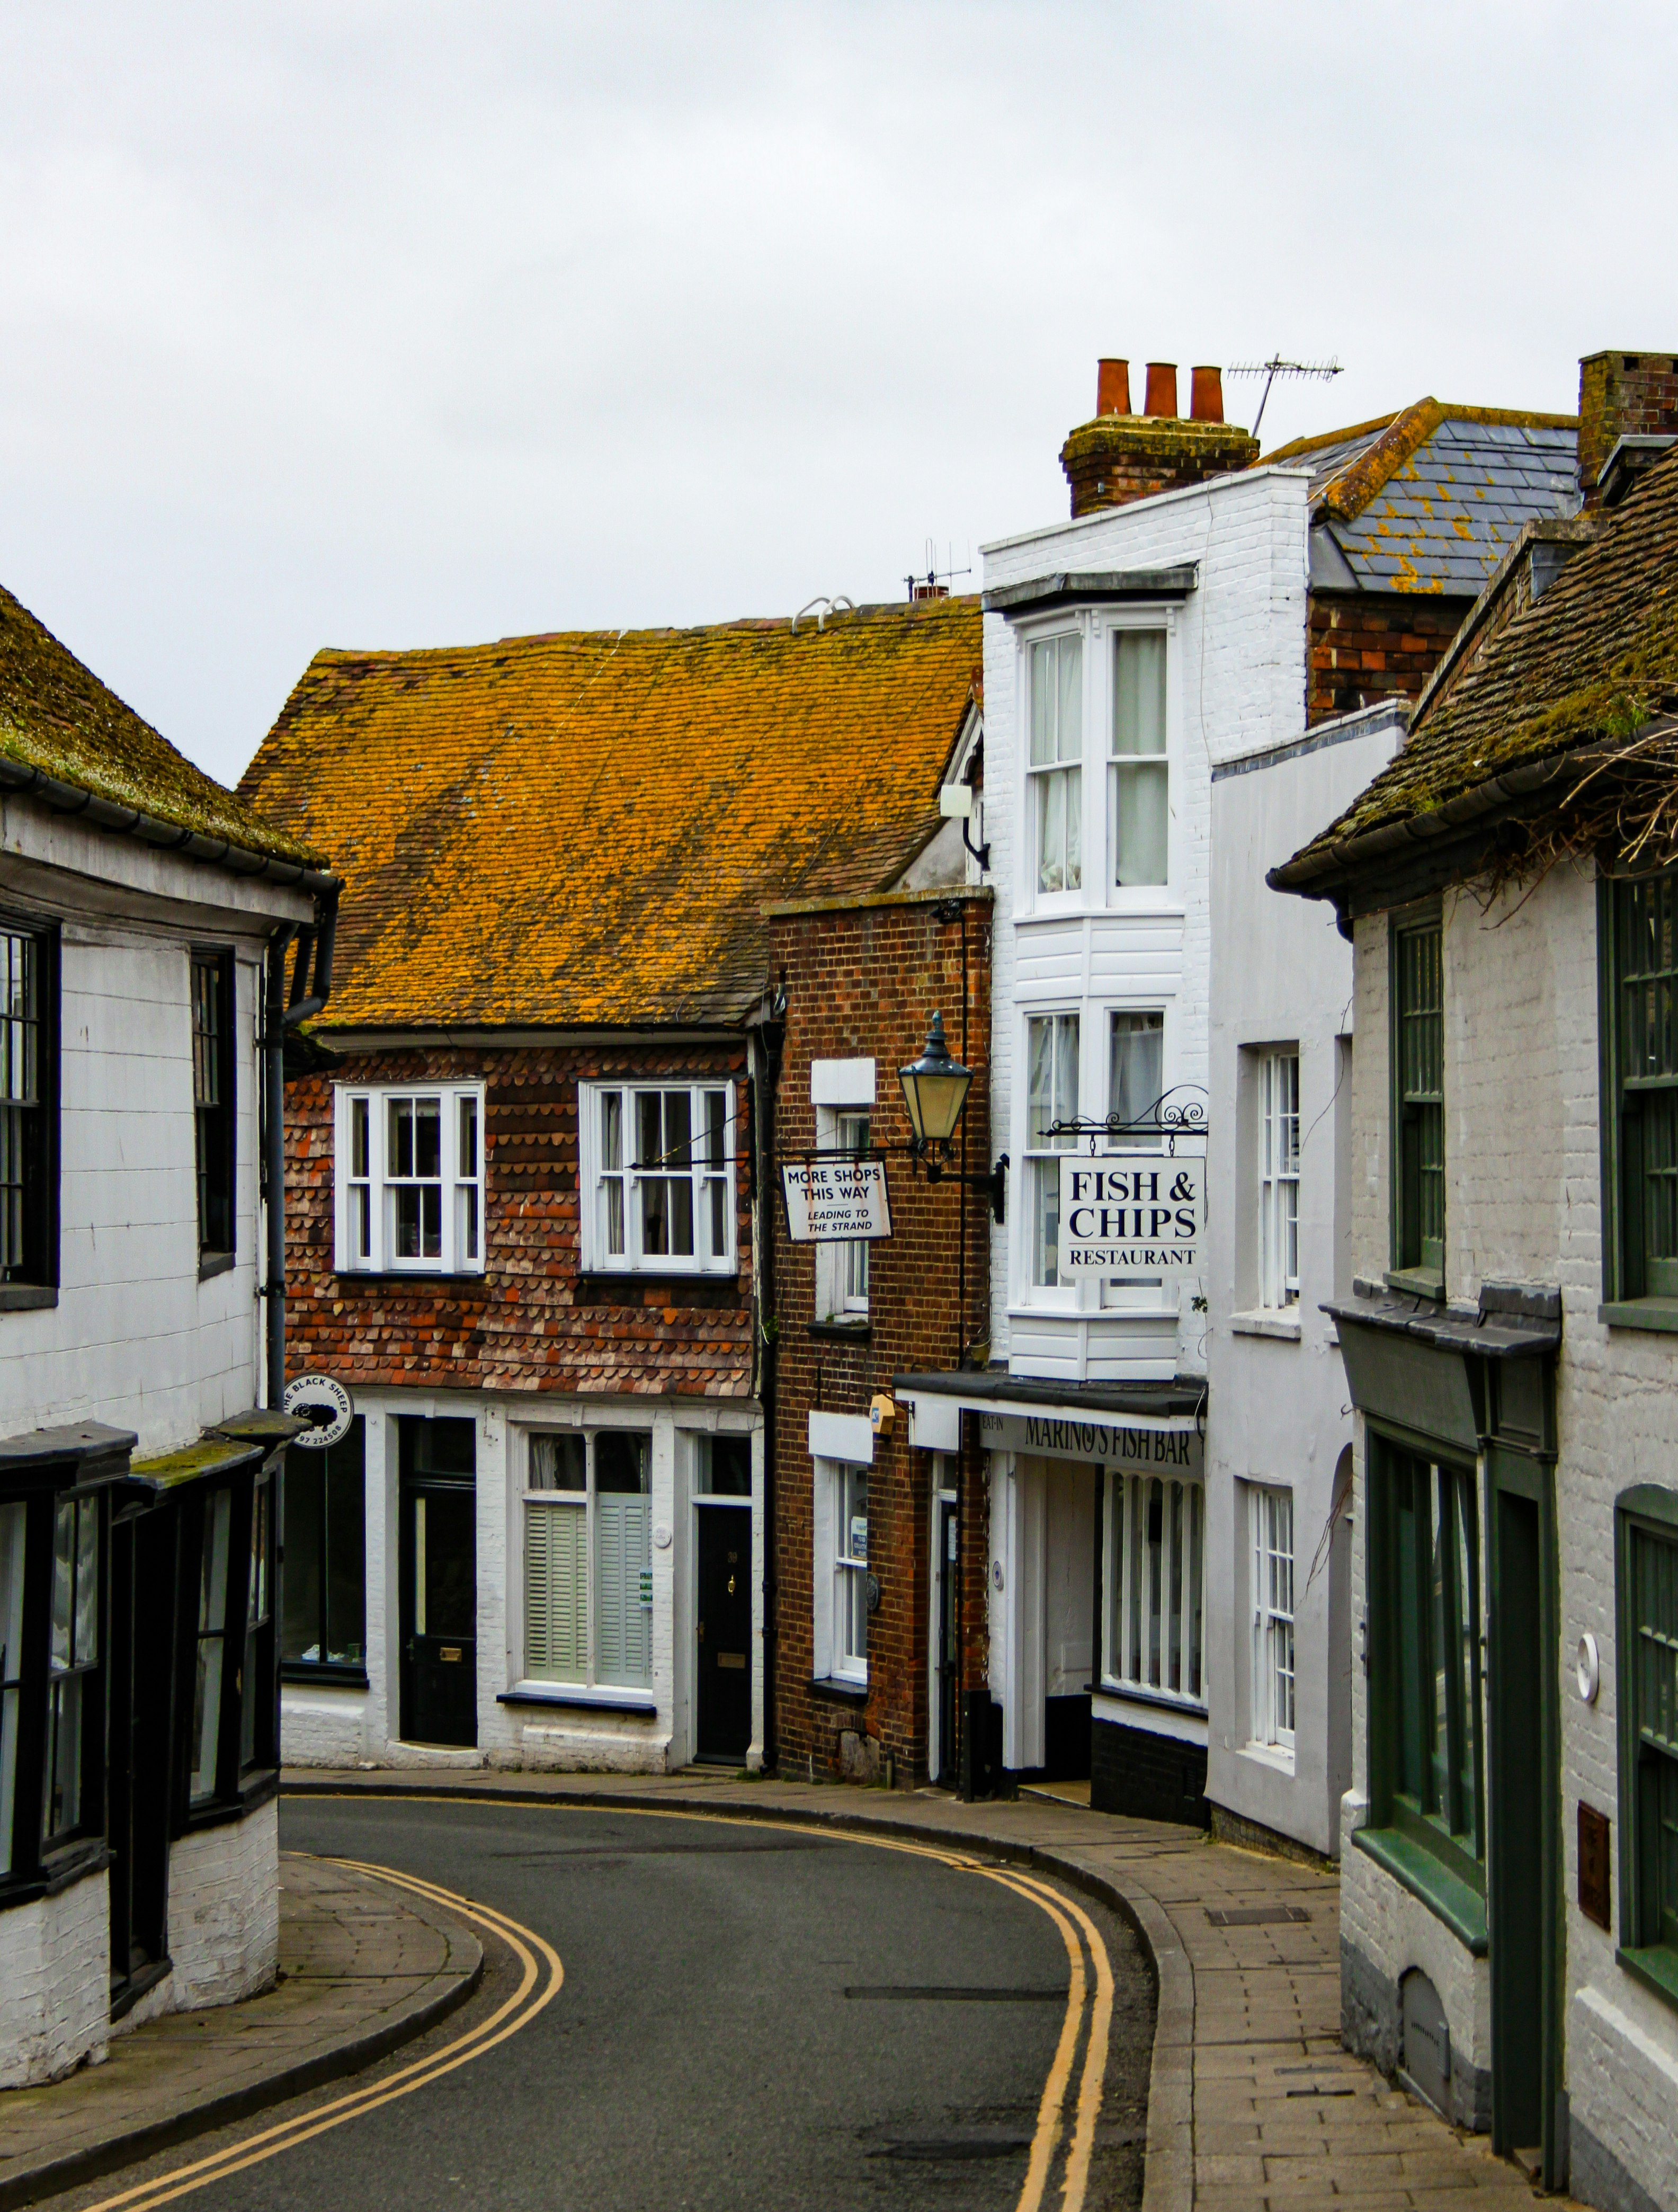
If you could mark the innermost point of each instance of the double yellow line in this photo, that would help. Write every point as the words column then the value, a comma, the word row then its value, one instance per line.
column 540, row 1977
column 1087, row 2020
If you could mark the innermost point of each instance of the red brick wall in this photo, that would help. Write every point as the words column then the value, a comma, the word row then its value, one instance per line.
column 531, row 1322
column 862, row 980
column 1368, row 647
column 1622, row 395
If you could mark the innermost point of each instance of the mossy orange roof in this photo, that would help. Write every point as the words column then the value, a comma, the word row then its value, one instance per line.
column 57, row 717
column 582, row 829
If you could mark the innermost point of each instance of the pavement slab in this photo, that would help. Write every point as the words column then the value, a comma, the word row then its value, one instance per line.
column 1249, row 2108
column 363, row 1968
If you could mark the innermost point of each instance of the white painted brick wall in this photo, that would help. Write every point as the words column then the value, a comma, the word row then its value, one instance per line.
column 55, row 1983
column 224, row 1910
column 1524, row 1204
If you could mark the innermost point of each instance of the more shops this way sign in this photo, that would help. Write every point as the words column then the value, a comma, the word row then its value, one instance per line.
column 834, row 1201
column 1123, row 1214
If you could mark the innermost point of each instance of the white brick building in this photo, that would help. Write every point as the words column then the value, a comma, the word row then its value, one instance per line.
column 142, row 913
column 1510, row 1908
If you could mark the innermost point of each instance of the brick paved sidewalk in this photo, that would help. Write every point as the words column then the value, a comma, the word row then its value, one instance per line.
column 1253, row 2106
column 364, row 1967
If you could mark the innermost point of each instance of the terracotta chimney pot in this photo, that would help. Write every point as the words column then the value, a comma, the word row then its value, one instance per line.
column 1112, row 387
column 1207, row 402
column 1161, row 388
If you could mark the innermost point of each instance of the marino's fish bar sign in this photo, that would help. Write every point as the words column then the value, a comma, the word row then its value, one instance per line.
column 834, row 1201
column 1132, row 1213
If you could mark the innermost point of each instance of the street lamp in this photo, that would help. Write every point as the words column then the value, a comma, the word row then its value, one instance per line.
column 935, row 1090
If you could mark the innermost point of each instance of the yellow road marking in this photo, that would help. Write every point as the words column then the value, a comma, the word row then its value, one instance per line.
column 533, row 1953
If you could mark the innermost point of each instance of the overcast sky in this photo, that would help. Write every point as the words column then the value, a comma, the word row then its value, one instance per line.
column 342, row 322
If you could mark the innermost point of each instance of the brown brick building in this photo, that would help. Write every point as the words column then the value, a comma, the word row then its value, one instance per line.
column 876, row 1653
column 527, row 1177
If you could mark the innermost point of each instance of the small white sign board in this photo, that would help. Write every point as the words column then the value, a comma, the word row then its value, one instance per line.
column 323, row 1400
column 1123, row 1214
column 834, row 1201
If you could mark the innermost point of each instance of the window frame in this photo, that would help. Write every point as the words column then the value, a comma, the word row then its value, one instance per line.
column 704, row 1175
column 1634, row 1294
column 1116, row 765
column 1042, row 1158
column 546, row 1498
column 215, row 1123
column 1128, row 1606
column 248, row 1672
column 363, row 1235
column 1273, row 1622
column 33, row 1280
column 1461, row 1852
column 300, row 1463
column 1041, row 777
column 1412, row 1108
column 1278, row 1183
column 841, row 1298
column 842, row 1579
column 1647, row 1511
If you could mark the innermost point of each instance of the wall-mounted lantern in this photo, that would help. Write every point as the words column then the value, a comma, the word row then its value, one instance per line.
column 935, row 1091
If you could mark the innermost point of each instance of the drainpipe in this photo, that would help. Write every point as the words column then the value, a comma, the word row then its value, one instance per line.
column 314, row 951
column 767, row 1033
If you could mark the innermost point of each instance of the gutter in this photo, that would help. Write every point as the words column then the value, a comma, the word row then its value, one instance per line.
column 151, row 830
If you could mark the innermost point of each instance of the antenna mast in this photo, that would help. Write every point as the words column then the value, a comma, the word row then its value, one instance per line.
column 1276, row 367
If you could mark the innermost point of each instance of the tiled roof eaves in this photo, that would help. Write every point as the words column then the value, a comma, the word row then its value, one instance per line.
column 931, row 895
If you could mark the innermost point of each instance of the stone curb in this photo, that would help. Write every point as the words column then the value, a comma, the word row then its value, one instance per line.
column 53, row 2176
column 1168, row 2176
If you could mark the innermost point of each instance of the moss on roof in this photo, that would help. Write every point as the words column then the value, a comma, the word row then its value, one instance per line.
column 1595, row 657
column 57, row 716
column 582, row 829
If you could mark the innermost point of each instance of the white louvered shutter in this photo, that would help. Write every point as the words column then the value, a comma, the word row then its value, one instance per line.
column 556, row 1593
column 623, row 1546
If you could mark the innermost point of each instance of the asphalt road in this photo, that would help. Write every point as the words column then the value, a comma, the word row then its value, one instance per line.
column 750, row 2017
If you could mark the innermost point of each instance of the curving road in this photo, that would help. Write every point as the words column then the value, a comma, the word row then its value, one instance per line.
column 750, row 2016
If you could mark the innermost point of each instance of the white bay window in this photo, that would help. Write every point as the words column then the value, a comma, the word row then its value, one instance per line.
column 1056, row 772
column 409, row 1177
column 658, row 1177
column 588, row 1560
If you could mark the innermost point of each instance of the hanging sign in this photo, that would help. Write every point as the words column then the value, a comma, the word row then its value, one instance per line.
column 1131, row 1213
column 322, row 1401
column 835, row 1199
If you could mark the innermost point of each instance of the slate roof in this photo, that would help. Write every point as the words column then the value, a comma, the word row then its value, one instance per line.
column 1431, row 498
column 56, row 716
column 1595, row 657
column 582, row 829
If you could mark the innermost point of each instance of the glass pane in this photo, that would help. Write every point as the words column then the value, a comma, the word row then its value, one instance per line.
column 206, row 1716
column 257, row 1592
column 725, row 1465
column 611, row 1129
column 468, row 1224
column 213, row 1568
column 649, row 1132
column 1043, row 659
column 1136, row 1075
column 1139, row 692
column 64, row 1769
column 613, row 1196
column 678, row 1128
column 428, row 1136
column 450, row 1597
column 681, row 1219
column 559, row 1462
column 469, row 1137
column 13, row 1522
column 401, row 1160
column 716, row 1125
column 1197, row 1683
column 360, row 1221
column 444, row 1446
column 654, row 1217
column 302, row 1588
column 1069, row 704
column 717, row 1193
column 87, row 1583
column 1143, row 796
column 63, row 1584
column 1414, row 1723
column 1468, row 1638
column 358, row 1136
column 206, row 1056
column 622, row 1461
column 8, row 1713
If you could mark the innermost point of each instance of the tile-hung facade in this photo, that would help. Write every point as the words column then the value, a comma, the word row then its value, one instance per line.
column 1509, row 1906
column 526, row 1181
column 881, row 1537
column 1170, row 627
column 144, row 913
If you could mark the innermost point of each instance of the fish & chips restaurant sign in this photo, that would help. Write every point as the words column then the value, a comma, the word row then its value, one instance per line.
column 835, row 1199
column 1125, row 1214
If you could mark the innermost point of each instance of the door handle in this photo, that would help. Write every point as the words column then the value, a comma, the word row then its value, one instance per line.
column 730, row 1585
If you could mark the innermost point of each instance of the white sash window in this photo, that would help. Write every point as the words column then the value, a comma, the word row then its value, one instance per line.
column 1155, row 1565
column 588, row 1560
column 1279, row 1179
column 1272, row 1517
column 409, row 1176
column 659, row 1169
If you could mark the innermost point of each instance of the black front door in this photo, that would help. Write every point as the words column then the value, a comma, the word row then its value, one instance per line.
column 724, row 1630
column 949, row 1638
column 438, row 1583
column 143, row 1644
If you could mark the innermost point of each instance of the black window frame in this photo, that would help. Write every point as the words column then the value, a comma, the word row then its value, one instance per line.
column 214, row 1122
column 304, row 1464
column 32, row 1281
column 245, row 1662
column 1639, row 1109
column 1417, row 1109
column 1645, row 1514
column 42, row 1861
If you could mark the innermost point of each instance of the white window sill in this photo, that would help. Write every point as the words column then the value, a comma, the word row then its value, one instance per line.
column 1271, row 1755
column 1268, row 1322
column 578, row 1693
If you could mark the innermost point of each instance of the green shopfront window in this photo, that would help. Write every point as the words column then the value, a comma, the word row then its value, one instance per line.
column 1418, row 1051
column 1426, row 1762
column 1648, row 1580
column 1642, row 1109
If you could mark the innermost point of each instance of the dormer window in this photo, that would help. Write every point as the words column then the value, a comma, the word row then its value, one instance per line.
column 1055, row 773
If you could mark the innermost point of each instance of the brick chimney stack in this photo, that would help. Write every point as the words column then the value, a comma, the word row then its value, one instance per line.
column 1119, row 457
column 1624, row 395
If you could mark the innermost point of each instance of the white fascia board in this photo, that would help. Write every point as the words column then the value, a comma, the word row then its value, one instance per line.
column 845, row 1437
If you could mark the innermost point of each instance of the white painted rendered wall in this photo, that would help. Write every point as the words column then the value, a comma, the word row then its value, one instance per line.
column 1237, row 681
column 55, row 1983
column 1524, row 1204
column 325, row 1725
column 224, row 1910
column 1281, row 974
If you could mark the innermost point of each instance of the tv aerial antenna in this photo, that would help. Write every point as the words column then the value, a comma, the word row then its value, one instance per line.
column 1276, row 367
column 935, row 584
